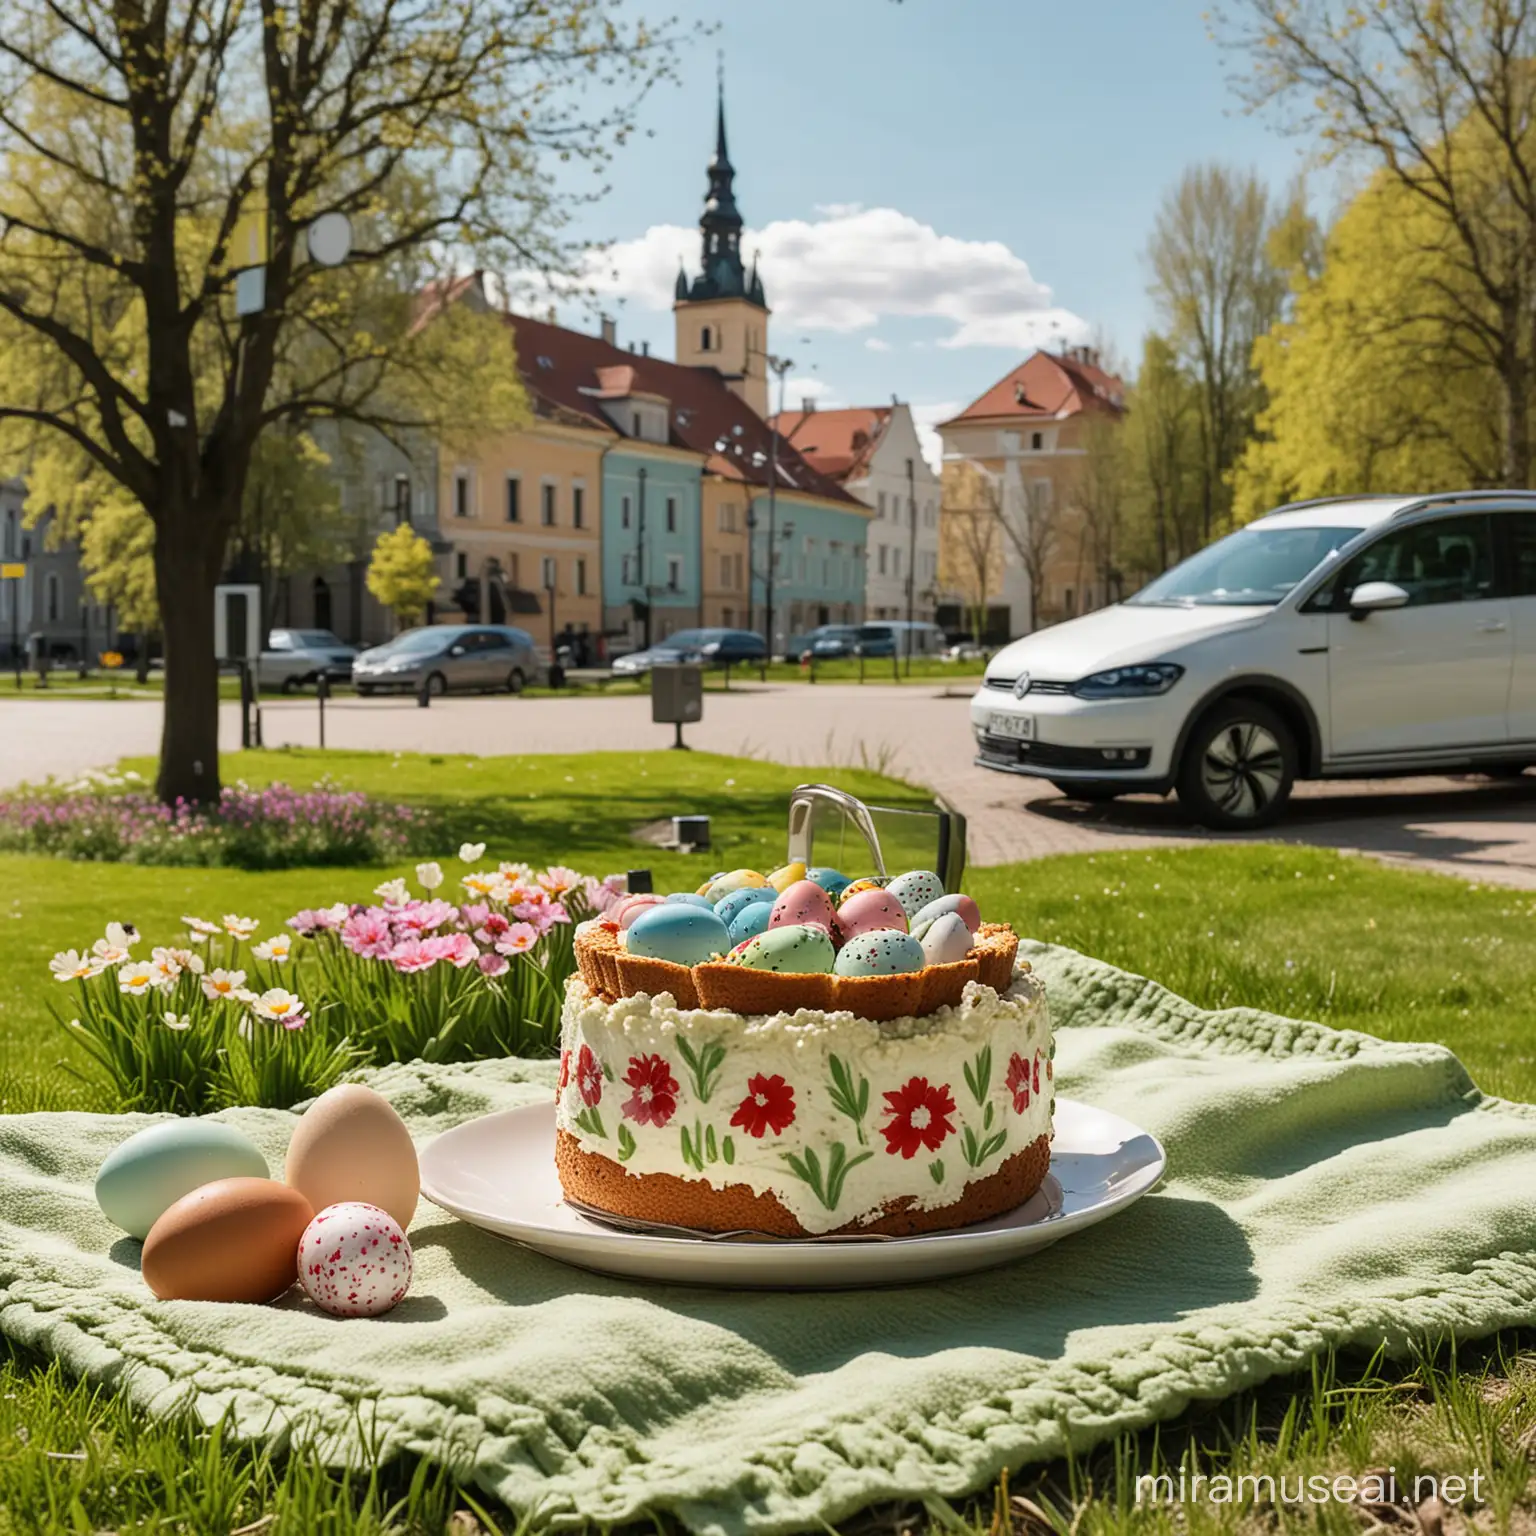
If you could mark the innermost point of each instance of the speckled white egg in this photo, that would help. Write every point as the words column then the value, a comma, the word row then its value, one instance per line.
column 881, row 952
column 354, row 1261
column 915, row 889
column 946, row 940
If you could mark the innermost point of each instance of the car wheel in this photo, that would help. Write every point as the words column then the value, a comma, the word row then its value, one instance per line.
column 516, row 682
column 1095, row 791
column 290, row 685
column 1238, row 768
column 437, row 684
column 365, row 690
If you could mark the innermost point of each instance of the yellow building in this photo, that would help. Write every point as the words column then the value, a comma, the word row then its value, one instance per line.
column 727, row 577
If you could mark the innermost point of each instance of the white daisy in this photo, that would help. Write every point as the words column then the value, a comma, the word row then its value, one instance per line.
column 429, row 875
column 70, row 965
column 470, row 852
column 223, row 984
column 279, row 947
column 137, row 977
column 278, row 1005
column 178, row 1020
column 392, row 893
column 240, row 927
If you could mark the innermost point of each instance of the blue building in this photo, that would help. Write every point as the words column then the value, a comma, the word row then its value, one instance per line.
column 819, row 569
column 652, row 560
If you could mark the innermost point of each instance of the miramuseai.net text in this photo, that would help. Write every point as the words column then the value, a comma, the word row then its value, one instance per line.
column 1254, row 1488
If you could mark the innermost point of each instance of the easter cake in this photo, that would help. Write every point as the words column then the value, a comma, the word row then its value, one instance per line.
column 802, row 1055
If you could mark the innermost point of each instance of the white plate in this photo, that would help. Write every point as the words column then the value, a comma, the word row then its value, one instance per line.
column 498, row 1172
column 1019, row 727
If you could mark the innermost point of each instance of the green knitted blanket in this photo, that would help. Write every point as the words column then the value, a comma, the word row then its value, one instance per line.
column 1323, row 1189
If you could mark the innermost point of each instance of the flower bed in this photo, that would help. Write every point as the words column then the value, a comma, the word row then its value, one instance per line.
column 220, row 1018
column 105, row 818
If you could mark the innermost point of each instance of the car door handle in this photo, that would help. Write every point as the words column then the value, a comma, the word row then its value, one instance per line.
column 1493, row 626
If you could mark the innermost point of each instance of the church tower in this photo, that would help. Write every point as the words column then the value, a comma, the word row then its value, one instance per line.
column 721, row 316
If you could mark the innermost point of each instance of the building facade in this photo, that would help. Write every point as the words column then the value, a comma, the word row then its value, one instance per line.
column 1019, row 541
column 48, row 611
column 874, row 453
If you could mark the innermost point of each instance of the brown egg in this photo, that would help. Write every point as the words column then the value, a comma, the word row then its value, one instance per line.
column 232, row 1240
column 350, row 1145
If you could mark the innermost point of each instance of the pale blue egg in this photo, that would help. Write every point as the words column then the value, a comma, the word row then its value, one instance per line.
column 801, row 948
column 143, row 1176
column 688, row 899
column 750, row 921
column 915, row 889
column 830, row 880
column 732, row 905
column 880, row 952
column 679, row 932
column 959, row 902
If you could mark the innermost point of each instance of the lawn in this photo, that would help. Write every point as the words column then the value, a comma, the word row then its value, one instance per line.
column 1308, row 933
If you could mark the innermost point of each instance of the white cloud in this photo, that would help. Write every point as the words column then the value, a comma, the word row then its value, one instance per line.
column 851, row 267
column 876, row 345
column 926, row 419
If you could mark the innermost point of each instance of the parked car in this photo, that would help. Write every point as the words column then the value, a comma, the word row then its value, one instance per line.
column 892, row 637
column 440, row 657
column 294, row 657
column 712, row 647
column 1342, row 638
column 825, row 642
column 967, row 650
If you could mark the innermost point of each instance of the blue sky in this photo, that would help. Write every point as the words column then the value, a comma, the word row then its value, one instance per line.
column 931, row 183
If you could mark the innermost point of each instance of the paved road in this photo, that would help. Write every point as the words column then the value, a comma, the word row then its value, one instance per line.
column 1473, row 828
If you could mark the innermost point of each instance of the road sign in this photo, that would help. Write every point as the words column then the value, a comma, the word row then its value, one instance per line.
column 12, row 570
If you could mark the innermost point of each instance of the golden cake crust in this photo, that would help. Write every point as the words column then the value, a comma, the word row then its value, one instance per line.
column 603, row 1184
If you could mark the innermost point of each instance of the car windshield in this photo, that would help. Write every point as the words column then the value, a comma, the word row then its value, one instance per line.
column 1254, row 567
column 683, row 639
column 315, row 637
column 418, row 642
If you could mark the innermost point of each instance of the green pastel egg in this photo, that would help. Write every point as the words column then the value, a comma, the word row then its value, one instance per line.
column 145, row 1175
column 801, row 948
column 880, row 952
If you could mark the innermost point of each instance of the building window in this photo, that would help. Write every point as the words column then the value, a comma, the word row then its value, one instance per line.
column 1069, row 602
column 627, row 571
column 581, row 576
column 725, row 517
column 624, row 515
column 514, row 503
column 549, row 573
column 578, row 506
column 896, row 561
column 53, row 598
column 461, row 494
column 882, row 549
column 1036, row 441
column 547, row 504
column 402, row 498
column 671, row 514
column 634, row 424
column 725, row 572
column 674, row 573
column 460, row 566
column 707, row 339
column 880, row 506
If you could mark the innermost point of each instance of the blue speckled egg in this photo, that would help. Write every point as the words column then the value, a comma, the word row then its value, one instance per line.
column 959, row 902
column 675, row 931
column 734, row 880
column 731, row 906
column 750, row 921
column 946, row 940
column 145, row 1175
column 801, row 948
column 915, row 889
column 689, row 899
column 881, row 952
column 831, row 881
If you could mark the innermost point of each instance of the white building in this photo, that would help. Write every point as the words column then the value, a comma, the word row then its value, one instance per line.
column 873, row 453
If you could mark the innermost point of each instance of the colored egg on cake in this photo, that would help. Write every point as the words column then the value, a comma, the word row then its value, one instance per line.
column 351, row 1145
column 733, row 880
column 871, row 910
column 956, row 902
column 832, row 881
column 145, row 1175
column 354, row 1260
column 945, row 939
column 803, row 902
column 232, row 1240
column 731, row 906
column 786, row 875
column 915, row 889
column 632, row 906
column 750, row 921
column 689, row 899
column 868, row 883
column 880, row 952
column 804, row 948
column 682, row 934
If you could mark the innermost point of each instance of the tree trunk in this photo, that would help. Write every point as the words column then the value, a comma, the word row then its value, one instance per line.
column 1514, row 382
column 185, row 576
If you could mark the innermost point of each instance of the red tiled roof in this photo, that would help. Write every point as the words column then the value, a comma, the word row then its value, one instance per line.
column 569, row 372
column 1046, row 385
column 839, row 443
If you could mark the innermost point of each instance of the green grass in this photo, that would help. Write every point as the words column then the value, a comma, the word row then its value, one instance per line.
column 1309, row 933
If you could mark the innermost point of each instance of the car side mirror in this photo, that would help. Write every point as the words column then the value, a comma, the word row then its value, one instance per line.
column 1372, row 596
column 455, row 650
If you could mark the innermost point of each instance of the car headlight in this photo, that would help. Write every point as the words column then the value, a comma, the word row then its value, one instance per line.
column 1138, row 682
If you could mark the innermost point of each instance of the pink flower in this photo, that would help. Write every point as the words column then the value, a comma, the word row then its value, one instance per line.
column 474, row 914
column 424, row 916
column 589, row 1078
column 602, row 894
column 492, row 964
column 654, row 1100
column 457, row 949
column 558, row 879
column 517, row 938
column 411, row 955
column 368, row 934
column 492, row 926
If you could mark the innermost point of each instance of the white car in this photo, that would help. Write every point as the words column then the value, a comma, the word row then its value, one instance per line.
column 1353, row 637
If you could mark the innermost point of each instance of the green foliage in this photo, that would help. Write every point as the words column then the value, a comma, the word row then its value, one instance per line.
column 402, row 574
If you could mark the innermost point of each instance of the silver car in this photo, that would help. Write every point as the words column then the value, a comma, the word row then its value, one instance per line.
column 439, row 657
column 294, row 657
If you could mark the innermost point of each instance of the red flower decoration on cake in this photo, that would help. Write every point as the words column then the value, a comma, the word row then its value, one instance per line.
column 1017, row 1082
column 565, row 1071
column 769, row 1105
column 654, row 1100
column 919, row 1117
column 1037, row 1072
column 589, row 1076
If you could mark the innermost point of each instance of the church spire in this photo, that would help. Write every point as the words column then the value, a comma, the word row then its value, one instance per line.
column 722, row 275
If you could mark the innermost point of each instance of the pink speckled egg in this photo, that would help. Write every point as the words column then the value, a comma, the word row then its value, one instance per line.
column 632, row 906
column 870, row 910
column 354, row 1261
column 803, row 902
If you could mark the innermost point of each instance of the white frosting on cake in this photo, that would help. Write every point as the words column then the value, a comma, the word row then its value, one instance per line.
column 819, row 1109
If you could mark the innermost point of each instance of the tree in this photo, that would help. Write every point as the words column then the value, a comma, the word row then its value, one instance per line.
column 1033, row 530
column 138, row 141
column 1218, row 289
column 1440, row 98
column 403, row 573
column 971, row 551
column 1165, row 466
column 117, row 555
column 1100, row 493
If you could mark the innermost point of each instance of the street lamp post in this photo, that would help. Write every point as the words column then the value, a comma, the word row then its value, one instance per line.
column 911, row 555
column 780, row 366
column 640, row 572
